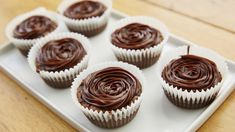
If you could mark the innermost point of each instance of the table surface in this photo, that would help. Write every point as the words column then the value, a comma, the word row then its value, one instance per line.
column 208, row 23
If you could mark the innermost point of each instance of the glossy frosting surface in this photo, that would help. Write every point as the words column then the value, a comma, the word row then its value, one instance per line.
column 109, row 89
column 60, row 54
column 34, row 27
column 191, row 72
column 136, row 36
column 85, row 9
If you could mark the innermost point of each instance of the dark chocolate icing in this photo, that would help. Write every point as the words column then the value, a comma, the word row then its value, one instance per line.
column 109, row 89
column 85, row 9
column 192, row 72
column 60, row 54
column 136, row 36
column 34, row 27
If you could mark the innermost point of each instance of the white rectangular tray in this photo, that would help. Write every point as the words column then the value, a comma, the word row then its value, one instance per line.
column 156, row 112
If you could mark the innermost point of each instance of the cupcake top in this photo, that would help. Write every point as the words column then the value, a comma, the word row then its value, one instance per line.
column 136, row 36
column 109, row 89
column 191, row 72
column 61, row 54
column 85, row 9
column 34, row 27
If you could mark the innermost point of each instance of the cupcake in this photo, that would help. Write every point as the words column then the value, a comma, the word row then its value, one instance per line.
column 109, row 94
column 88, row 17
column 138, row 40
column 59, row 58
column 191, row 77
column 24, row 30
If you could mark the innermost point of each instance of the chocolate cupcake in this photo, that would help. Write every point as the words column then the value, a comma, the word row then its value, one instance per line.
column 191, row 76
column 24, row 30
column 138, row 40
column 88, row 17
column 109, row 94
column 59, row 58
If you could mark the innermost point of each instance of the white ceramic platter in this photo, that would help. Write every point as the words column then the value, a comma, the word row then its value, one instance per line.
column 156, row 112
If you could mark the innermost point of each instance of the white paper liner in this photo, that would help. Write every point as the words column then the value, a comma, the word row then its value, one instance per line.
column 67, row 74
column 184, row 94
column 89, row 24
column 105, row 116
column 26, row 44
column 145, row 57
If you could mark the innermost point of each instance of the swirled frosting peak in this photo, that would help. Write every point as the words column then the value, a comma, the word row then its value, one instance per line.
column 109, row 89
column 136, row 36
column 34, row 27
column 192, row 72
column 60, row 54
column 85, row 9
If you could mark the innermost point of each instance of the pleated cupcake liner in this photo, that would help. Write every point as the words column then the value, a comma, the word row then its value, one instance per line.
column 189, row 103
column 113, row 118
column 63, row 78
column 24, row 45
column 142, row 58
column 90, row 26
column 112, row 123
column 192, row 99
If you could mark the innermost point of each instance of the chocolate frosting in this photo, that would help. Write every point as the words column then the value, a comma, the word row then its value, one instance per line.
column 60, row 54
column 109, row 89
column 136, row 36
column 85, row 9
column 192, row 72
column 34, row 27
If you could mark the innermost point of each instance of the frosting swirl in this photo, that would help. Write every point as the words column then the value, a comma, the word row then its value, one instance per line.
column 136, row 36
column 60, row 54
column 109, row 89
column 192, row 72
column 34, row 27
column 85, row 9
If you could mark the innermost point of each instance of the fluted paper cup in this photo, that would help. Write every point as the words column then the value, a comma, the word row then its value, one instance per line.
column 113, row 118
column 89, row 26
column 24, row 45
column 142, row 58
column 191, row 99
column 63, row 78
